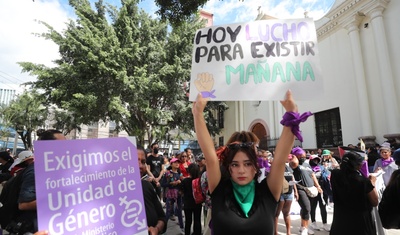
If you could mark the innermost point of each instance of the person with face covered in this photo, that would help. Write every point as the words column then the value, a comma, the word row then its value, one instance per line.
column 354, row 196
column 321, row 173
column 305, row 178
column 301, row 156
column 155, row 167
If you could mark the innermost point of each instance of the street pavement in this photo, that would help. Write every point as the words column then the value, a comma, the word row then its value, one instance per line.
column 173, row 227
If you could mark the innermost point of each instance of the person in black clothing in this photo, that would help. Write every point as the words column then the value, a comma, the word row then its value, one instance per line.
column 6, row 161
column 189, row 205
column 155, row 215
column 373, row 155
column 27, row 194
column 389, row 206
column 155, row 167
column 354, row 197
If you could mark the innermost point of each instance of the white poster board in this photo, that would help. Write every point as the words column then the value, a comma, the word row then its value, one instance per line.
column 258, row 60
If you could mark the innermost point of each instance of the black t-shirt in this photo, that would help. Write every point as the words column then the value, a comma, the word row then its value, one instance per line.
column 155, row 164
column 352, row 206
column 228, row 217
column 188, row 200
column 303, row 174
column 154, row 210
column 372, row 157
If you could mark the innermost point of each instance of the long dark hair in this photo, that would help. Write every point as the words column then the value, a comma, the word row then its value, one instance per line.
column 194, row 171
column 351, row 161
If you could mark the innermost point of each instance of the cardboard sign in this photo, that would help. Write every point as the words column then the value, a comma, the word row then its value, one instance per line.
column 89, row 187
column 259, row 60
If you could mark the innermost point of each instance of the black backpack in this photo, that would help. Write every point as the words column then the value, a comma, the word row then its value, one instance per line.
column 9, row 200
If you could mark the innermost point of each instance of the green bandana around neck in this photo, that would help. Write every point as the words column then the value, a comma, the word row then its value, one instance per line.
column 244, row 195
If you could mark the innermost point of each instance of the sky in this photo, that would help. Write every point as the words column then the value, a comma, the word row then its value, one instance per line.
column 19, row 24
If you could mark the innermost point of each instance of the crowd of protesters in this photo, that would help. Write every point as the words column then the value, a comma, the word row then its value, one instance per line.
column 244, row 189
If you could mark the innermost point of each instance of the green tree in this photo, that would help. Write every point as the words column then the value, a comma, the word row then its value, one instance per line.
column 25, row 114
column 5, row 131
column 132, row 70
column 178, row 11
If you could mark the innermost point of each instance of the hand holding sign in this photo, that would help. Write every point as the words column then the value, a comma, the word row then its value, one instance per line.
column 288, row 103
column 199, row 105
column 204, row 83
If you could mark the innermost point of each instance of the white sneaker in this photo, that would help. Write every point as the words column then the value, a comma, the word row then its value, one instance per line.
column 314, row 226
column 303, row 231
column 326, row 227
column 310, row 230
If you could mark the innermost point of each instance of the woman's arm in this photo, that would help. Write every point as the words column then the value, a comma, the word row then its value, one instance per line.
column 316, row 183
column 206, row 143
column 335, row 164
column 161, row 173
column 149, row 171
column 283, row 148
column 158, row 229
column 373, row 194
column 26, row 206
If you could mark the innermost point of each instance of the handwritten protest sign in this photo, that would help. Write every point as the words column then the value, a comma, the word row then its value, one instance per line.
column 259, row 60
column 89, row 187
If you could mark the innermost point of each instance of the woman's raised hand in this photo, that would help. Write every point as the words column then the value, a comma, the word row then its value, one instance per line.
column 288, row 103
column 199, row 104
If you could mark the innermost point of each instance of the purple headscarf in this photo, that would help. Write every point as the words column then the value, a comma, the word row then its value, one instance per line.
column 298, row 151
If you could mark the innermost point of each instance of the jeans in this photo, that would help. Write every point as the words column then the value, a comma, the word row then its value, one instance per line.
column 170, row 209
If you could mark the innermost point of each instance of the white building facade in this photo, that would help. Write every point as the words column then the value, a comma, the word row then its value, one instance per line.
column 360, row 60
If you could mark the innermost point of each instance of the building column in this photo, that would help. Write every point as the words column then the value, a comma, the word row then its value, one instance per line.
column 271, row 119
column 353, row 31
column 241, row 116
column 237, row 113
column 391, row 109
column 279, row 111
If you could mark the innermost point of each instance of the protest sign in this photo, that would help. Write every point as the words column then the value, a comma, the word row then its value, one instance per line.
column 258, row 60
column 89, row 187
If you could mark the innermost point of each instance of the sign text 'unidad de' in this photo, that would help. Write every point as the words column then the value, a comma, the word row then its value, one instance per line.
column 89, row 187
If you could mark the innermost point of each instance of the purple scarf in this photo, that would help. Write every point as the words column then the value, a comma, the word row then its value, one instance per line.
column 364, row 169
column 386, row 162
column 263, row 163
column 292, row 119
column 316, row 168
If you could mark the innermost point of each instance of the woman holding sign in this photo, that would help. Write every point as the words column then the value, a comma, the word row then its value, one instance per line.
column 240, row 204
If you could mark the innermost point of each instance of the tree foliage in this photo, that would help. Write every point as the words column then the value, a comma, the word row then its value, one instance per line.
column 177, row 11
column 132, row 70
column 25, row 114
